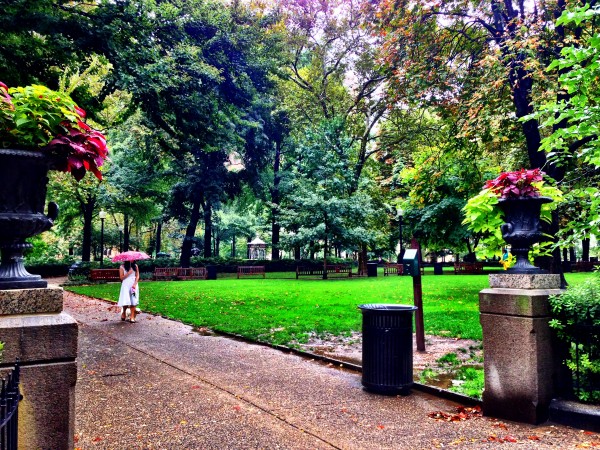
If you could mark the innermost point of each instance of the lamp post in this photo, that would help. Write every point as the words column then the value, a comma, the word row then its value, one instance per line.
column 120, row 239
column 400, row 212
column 102, row 215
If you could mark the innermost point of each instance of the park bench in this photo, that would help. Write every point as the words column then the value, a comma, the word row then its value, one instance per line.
column 393, row 269
column 306, row 270
column 250, row 270
column 180, row 273
column 331, row 269
column 340, row 268
column 165, row 273
column 192, row 273
column 467, row 268
column 104, row 275
column 584, row 266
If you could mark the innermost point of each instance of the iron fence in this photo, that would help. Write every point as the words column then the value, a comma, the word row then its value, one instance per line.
column 9, row 409
column 584, row 357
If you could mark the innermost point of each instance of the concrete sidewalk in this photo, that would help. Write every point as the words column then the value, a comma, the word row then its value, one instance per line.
column 159, row 384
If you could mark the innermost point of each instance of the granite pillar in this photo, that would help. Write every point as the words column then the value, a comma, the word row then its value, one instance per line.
column 35, row 330
column 519, row 360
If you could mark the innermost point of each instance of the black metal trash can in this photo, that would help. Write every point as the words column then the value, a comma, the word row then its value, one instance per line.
column 372, row 269
column 438, row 269
column 211, row 272
column 387, row 348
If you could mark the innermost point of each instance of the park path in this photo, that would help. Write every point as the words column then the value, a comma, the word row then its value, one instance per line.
column 159, row 384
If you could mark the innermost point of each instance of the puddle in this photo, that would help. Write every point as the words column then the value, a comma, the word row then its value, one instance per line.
column 446, row 379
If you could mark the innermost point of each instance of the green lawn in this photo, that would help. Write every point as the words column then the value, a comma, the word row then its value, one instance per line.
column 281, row 309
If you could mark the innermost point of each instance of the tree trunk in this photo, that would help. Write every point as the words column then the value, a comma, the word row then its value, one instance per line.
column 207, row 207
column 88, row 215
column 572, row 255
column 311, row 246
column 326, row 250
column 126, row 232
column 362, row 260
column 275, row 200
column 190, row 232
column 297, row 252
column 585, row 249
column 158, row 236
column 233, row 246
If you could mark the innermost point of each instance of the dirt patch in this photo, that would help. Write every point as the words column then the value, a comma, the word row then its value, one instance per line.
column 349, row 349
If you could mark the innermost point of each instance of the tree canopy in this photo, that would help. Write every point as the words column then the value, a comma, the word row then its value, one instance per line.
column 312, row 123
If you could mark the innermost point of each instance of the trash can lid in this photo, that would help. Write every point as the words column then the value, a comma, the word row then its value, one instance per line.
column 386, row 307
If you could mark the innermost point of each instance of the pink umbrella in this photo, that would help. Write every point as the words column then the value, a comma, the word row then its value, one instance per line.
column 131, row 255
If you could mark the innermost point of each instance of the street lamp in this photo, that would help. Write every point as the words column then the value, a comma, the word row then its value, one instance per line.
column 102, row 215
column 120, row 239
column 400, row 212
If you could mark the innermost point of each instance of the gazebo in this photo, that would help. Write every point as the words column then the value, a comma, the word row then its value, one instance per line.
column 257, row 248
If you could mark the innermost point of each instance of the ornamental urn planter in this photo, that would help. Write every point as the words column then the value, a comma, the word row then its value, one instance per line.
column 522, row 229
column 23, row 182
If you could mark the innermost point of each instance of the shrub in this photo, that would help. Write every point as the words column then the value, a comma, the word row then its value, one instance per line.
column 48, row 267
column 577, row 322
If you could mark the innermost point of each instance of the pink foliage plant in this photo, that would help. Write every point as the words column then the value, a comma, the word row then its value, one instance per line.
column 517, row 184
column 37, row 118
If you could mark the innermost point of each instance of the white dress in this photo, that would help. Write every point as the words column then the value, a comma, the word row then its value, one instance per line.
column 125, row 299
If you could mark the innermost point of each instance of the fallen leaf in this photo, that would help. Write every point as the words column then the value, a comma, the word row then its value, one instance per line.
column 500, row 425
column 381, row 427
column 195, row 387
column 533, row 438
column 463, row 413
column 510, row 438
column 97, row 439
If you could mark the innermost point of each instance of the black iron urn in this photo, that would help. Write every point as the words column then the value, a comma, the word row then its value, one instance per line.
column 522, row 229
column 23, row 182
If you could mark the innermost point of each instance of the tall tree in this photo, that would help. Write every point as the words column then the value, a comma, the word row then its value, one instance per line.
column 323, row 207
column 332, row 54
column 462, row 54
column 570, row 122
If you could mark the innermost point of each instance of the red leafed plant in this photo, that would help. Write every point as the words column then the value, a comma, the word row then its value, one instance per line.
column 520, row 183
column 37, row 118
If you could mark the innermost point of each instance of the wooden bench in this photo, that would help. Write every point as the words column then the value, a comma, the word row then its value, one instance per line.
column 180, row 273
column 393, row 269
column 165, row 273
column 104, row 275
column 192, row 273
column 340, row 268
column 468, row 268
column 333, row 268
column 250, row 270
column 305, row 270
column 584, row 266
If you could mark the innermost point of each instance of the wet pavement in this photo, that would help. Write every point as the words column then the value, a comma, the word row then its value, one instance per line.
column 159, row 384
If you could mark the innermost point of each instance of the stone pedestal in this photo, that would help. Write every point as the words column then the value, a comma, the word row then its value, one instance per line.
column 519, row 358
column 35, row 330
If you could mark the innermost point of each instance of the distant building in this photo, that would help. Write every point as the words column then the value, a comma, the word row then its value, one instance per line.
column 257, row 249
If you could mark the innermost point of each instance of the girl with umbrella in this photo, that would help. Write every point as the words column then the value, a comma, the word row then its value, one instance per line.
column 129, row 273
